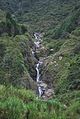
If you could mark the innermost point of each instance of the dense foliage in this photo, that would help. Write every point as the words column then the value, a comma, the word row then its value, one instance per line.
column 21, row 104
column 59, row 22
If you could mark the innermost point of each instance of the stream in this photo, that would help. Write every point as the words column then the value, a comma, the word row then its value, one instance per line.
column 39, row 82
column 43, row 91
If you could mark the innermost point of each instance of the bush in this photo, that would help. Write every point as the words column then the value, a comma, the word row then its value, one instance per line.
column 12, row 108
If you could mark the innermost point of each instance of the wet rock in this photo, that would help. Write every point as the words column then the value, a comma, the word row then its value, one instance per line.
column 60, row 57
column 43, row 85
column 48, row 94
column 44, row 97
column 51, row 49
column 55, row 62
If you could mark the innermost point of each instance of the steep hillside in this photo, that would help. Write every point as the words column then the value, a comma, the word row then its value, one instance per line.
column 16, row 61
column 46, row 15
column 70, row 23
column 61, row 68
column 40, row 15
column 54, row 61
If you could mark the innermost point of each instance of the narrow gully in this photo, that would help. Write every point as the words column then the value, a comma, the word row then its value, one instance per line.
column 37, row 44
column 43, row 91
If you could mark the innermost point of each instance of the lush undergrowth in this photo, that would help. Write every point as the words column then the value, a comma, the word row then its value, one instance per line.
column 59, row 21
column 23, row 104
column 16, row 62
column 13, row 68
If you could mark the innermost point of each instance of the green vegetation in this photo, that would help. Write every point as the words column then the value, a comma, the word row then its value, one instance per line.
column 12, row 102
column 21, row 104
column 13, row 68
column 59, row 21
column 9, row 26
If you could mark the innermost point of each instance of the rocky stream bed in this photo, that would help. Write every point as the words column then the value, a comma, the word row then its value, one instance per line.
column 44, row 91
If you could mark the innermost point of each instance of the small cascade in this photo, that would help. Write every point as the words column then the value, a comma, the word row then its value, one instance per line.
column 38, row 75
column 33, row 52
column 43, row 90
column 37, row 44
column 40, row 90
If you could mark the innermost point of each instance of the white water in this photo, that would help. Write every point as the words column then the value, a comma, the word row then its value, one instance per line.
column 37, row 69
column 37, row 43
column 35, row 36
column 43, row 90
column 38, row 75
column 40, row 91
column 33, row 52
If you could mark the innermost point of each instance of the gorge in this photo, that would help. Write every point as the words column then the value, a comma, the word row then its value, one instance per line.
column 43, row 90
column 39, row 59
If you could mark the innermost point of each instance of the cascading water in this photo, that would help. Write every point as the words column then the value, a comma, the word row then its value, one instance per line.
column 37, row 44
column 33, row 52
column 38, row 75
column 43, row 90
column 40, row 91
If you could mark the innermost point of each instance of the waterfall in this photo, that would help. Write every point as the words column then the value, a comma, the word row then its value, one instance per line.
column 38, row 75
column 33, row 53
column 37, row 44
column 40, row 89
column 43, row 90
